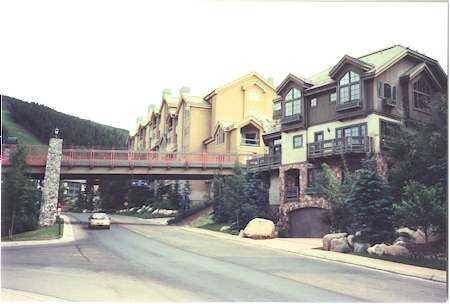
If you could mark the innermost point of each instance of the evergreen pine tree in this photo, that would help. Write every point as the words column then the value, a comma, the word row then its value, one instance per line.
column 20, row 197
column 370, row 205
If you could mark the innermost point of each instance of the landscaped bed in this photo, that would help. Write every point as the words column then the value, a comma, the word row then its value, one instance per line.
column 440, row 264
column 45, row 233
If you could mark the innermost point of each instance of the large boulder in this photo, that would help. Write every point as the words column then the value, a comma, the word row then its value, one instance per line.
column 417, row 237
column 259, row 228
column 328, row 237
column 340, row 245
column 392, row 250
column 360, row 247
column 396, row 250
column 351, row 240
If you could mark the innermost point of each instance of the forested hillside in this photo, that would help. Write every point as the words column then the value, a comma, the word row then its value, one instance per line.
column 41, row 121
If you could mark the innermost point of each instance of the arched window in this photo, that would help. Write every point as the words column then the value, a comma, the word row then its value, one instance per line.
column 349, row 88
column 421, row 94
column 292, row 102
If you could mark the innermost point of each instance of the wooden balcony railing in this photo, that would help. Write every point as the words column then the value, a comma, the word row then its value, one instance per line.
column 264, row 162
column 249, row 142
column 350, row 144
column 291, row 194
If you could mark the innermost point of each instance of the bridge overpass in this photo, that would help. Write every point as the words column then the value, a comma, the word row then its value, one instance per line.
column 86, row 163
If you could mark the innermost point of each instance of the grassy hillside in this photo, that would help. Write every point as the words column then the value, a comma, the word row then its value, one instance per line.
column 16, row 130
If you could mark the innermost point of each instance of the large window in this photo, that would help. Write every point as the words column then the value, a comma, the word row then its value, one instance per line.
column 297, row 141
column 220, row 136
column 349, row 88
column 292, row 102
column 354, row 134
column 422, row 95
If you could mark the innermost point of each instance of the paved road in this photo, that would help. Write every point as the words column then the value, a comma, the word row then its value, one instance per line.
column 135, row 261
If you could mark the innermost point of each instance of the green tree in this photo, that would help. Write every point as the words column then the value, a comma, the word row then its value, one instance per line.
column 421, row 207
column 239, row 198
column 20, row 197
column 370, row 204
column 336, row 191
column 174, row 196
column 113, row 193
column 187, row 190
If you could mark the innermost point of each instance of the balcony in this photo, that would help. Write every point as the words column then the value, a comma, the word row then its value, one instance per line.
column 350, row 144
column 291, row 119
column 249, row 142
column 291, row 194
column 265, row 162
column 348, row 105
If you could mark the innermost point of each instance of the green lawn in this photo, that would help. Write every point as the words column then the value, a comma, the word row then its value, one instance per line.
column 16, row 130
column 45, row 233
column 216, row 227
column 435, row 264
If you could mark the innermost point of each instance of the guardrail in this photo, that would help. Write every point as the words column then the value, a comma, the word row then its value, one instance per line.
column 37, row 156
column 265, row 161
column 349, row 144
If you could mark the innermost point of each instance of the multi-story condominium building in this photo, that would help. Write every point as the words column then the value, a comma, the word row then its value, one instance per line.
column 231, row 119
column 342, row 110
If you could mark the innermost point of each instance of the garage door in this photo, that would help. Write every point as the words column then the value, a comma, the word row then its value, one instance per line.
column 307, row 223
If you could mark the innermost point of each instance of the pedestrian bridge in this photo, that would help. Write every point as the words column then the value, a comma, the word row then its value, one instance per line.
column 82, row 163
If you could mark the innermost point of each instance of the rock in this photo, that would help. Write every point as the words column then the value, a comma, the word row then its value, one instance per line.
column 396, row 250
column 401, row 243
column 328, row 237
column 393, row 250
column 350, row 240
column 241, row 233
column 155, row 211
column 360, row 247
column 259, row 228
column 224, row 228
column 340, row 245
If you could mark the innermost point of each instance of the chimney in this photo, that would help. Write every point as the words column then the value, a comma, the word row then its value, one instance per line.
column 167, row 91
column 185, row 90
column 150, row 110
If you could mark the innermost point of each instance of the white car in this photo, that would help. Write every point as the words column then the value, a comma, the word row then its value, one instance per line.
column 101, row 220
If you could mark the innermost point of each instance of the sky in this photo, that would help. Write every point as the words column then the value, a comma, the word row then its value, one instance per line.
column 107, row 61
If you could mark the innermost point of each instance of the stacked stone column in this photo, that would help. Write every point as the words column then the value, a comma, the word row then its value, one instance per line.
column 49, row 203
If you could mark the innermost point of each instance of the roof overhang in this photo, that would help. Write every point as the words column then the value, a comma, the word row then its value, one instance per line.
column 352, row 61
column 302, row 82
column 418, row 70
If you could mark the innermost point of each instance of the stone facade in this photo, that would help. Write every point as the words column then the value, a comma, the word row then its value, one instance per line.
column 47, row 214
column 304, row 200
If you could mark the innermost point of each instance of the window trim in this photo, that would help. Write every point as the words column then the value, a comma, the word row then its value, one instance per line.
column 315, row 102
column 413, row 92
column 319, row 132
column 349, row 127
column 292, row 102
column 301, row 141
column 335, row 97
column 349, row 86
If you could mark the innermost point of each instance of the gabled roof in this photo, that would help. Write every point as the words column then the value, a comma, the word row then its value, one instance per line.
column 350, row 60
column 291, row 77
column 418, row 69
column 379, row 61
column 229, row 84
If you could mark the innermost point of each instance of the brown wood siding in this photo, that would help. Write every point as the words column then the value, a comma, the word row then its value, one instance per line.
column 324, row 111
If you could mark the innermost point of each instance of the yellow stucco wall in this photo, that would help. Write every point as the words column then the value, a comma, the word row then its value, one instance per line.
column 233, row 103
column 199, row 128
column 289, row 155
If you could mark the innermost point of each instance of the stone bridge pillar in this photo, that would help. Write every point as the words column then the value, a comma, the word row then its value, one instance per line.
column 47, row 215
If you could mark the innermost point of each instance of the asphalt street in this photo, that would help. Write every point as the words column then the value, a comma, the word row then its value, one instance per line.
column 135, row 261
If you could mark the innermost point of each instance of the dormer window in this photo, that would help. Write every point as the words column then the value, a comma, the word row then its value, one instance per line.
column 292, row 104
column 349, row 88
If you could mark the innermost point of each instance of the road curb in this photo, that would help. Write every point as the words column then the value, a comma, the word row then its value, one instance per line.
column 68, row 236
column 13, row 295
column 387, row 266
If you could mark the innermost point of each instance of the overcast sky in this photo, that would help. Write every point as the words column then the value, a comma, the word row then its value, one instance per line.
column 108, row 60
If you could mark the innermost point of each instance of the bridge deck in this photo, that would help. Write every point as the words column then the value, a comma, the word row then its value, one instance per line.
column 104, row 162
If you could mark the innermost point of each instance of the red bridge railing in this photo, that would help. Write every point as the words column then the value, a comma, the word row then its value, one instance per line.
column 85, row 157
